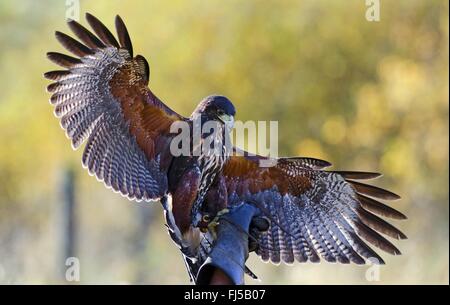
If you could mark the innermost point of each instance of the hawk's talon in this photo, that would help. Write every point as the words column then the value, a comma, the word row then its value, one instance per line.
column 222, row 212
column 212, row 230
column 215, row 222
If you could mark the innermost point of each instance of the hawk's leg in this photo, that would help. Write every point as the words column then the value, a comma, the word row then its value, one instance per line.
column 215, row 206
column 174, row 231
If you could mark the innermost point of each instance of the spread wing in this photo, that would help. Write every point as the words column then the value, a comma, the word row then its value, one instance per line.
column 102, row 98
column 314, row 213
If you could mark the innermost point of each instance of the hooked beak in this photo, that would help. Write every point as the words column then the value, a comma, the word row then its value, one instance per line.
column 228, row 120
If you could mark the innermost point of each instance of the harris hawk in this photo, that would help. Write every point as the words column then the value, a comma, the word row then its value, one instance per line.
column 102, row 98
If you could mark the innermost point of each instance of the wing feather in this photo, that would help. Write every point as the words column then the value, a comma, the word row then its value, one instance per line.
column 358, row 175
column 373, row 191
column 379, row 208
column 85, row 35
column 124, row 37
column 56, row 75
column 102, row 31
column 72, row 45
column 63, row 60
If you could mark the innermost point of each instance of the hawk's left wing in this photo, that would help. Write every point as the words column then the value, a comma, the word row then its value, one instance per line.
column 314, row 213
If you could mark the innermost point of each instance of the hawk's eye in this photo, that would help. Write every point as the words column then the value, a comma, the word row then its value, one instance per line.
column 220, row 112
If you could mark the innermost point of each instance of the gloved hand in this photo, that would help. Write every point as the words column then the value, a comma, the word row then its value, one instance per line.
column 226, row 260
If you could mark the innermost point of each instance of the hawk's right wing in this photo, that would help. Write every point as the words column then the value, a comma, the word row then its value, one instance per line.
column 102, row 98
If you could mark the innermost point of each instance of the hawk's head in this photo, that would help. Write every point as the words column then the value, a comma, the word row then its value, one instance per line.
column 216, row 108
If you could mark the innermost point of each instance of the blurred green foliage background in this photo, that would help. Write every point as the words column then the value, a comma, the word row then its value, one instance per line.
column 363, row 95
